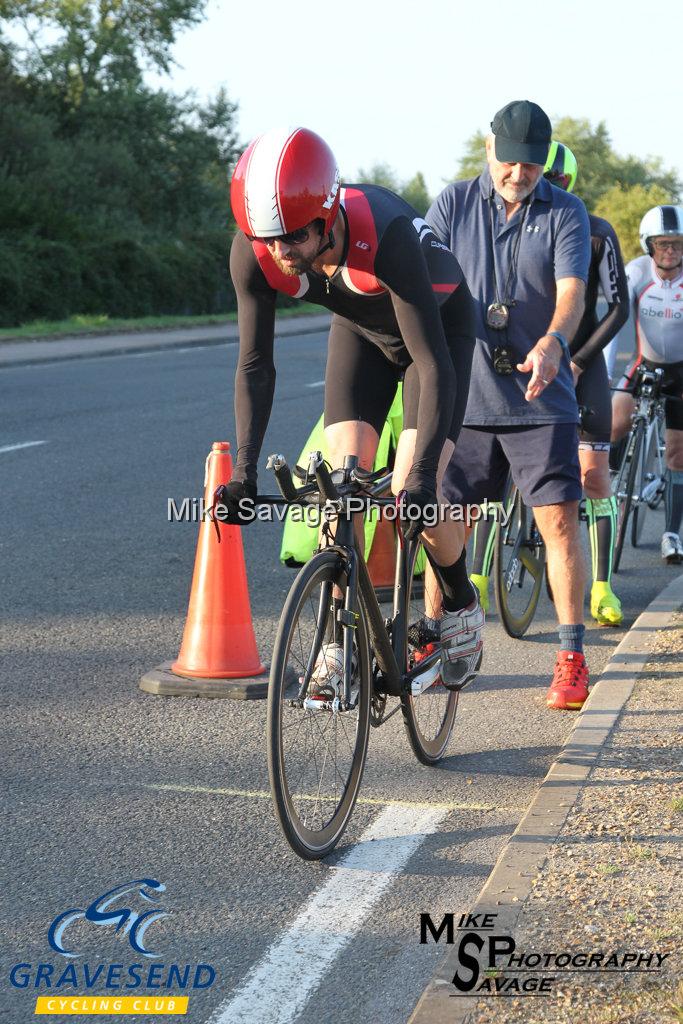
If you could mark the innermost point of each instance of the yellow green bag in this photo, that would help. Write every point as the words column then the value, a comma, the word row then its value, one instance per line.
column 299, row 540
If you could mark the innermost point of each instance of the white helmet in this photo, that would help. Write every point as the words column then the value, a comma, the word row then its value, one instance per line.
column 660, row 220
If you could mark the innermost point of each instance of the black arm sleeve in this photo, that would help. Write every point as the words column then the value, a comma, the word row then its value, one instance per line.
column 400, row 265
column 255, row 376
column 614, row 283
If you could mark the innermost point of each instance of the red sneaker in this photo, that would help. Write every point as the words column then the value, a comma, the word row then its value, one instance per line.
column 569, row 688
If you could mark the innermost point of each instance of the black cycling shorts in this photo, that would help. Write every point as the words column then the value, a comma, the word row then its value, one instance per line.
column 672, row 387
column 360, row 382
column 593, row 393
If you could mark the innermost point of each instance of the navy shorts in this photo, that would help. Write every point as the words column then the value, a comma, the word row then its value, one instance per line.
column 544, row 460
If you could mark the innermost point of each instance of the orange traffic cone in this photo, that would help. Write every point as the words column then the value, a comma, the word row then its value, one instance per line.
column 218, row 655
column 382, row 560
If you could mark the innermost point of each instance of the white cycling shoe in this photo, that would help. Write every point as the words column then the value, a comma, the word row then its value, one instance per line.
column 672, row 549
column 461, row 645
column 328, row 673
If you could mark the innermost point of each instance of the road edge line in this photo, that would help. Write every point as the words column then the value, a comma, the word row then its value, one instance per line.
column 526, row 851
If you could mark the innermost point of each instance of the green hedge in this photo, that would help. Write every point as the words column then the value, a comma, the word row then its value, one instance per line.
column 123, row 277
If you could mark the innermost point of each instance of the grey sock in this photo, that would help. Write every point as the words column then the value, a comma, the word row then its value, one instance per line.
column 571, row 638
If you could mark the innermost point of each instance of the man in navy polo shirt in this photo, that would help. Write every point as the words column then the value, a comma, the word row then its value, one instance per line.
column 524, row 247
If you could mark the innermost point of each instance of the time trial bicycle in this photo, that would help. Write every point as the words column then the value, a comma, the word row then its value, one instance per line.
column 317, row 747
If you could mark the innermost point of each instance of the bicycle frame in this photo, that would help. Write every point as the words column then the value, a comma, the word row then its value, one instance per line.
column 388, row 638
column 647, row 412
column 654, row 441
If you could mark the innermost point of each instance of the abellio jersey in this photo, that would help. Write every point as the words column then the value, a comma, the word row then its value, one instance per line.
column 658, row 311
column 397, row 284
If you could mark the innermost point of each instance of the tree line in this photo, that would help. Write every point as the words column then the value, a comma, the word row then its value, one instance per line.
column 114, row 195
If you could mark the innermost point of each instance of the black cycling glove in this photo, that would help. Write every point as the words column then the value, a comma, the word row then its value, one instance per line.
column 234, row 503
column 415, row 506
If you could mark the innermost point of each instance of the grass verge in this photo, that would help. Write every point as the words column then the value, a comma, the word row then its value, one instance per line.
column 46, row 330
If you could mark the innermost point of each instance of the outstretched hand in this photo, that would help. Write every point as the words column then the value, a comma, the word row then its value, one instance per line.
column 543, row 363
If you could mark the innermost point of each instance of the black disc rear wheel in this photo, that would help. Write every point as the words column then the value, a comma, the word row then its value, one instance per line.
column 518, row 565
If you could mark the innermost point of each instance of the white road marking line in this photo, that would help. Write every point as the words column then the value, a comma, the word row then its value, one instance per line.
column 264, row 794
column 16, row 447
column 276, row 990
column 316, row 384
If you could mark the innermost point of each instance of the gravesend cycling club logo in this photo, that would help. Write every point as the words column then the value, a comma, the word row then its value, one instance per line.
column 489, row 963
column 126, row 920
column 125, row 913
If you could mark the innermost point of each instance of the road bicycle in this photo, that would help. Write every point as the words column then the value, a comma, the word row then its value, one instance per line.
column 638, row 484
column 317, row 747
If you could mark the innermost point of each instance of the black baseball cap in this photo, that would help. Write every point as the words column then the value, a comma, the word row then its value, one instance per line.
column 522, row 133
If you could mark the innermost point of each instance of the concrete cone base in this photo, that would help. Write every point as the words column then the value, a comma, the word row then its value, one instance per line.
column 162, row 681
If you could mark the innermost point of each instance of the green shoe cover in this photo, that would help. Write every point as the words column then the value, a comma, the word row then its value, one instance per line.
column 482, row 585
column 605, row 605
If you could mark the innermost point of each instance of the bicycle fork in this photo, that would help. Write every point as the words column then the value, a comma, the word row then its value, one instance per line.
column 332, row 617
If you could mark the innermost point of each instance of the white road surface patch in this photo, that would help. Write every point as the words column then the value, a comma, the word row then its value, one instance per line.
column 16, row 447
column 276, row 990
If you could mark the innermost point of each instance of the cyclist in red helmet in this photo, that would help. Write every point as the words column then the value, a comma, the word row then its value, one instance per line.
column 401, row 311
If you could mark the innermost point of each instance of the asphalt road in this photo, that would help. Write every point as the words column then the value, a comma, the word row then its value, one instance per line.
column 105, row 784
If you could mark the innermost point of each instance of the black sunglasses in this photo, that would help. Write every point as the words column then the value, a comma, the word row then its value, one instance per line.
column 297, row 237
column 559, row 179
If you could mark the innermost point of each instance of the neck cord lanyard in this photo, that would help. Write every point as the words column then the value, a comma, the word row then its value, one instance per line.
column 506, row 300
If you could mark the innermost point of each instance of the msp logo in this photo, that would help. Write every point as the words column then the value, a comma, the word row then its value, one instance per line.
column 124, row 920
column 127, row 911
column 489, row 962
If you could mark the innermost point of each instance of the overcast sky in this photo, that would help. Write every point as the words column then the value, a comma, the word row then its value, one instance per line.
column 407, row 83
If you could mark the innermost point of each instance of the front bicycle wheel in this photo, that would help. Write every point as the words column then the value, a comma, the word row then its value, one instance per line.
column 624, row 488
column 316, row 750
column 518, row 565
column 428, row 717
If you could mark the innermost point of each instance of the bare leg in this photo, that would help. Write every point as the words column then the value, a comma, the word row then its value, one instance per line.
column 595, row 473
column 623, row 405
column 559, row 526
column 444, row 541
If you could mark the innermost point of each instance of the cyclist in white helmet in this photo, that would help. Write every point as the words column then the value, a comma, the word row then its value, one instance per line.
column 655, row 283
